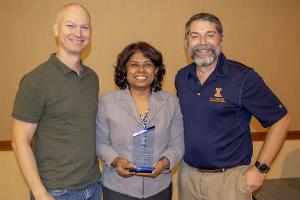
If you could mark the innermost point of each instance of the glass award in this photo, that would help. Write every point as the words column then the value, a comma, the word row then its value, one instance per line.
column 143, row 149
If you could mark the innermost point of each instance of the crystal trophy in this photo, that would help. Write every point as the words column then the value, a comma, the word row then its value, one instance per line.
column 143, row 149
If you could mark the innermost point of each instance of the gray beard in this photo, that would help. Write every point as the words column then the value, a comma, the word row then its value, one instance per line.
column 207, row 60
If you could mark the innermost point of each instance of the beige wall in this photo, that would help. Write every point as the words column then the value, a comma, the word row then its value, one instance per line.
column 12, row 185
column 261, row 34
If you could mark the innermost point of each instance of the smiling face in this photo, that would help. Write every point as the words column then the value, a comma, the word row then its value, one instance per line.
column 204, row 43
column 72, row 30
column 140, row 72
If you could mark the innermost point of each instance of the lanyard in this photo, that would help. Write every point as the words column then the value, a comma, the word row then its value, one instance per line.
column 145, row 130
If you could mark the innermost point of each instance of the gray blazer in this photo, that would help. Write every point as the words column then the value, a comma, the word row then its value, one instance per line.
column 117, row 120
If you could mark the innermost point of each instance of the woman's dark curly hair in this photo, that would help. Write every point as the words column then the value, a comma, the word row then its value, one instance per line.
column 149, row 52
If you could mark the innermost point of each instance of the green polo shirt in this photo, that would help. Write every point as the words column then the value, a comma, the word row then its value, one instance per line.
column 64, row 106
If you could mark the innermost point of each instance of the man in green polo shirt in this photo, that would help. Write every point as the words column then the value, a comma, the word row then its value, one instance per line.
column 54, row 117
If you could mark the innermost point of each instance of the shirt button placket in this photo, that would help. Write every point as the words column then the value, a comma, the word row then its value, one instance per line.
column 199, row 88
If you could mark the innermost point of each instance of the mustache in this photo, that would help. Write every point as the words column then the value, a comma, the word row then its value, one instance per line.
column 200, row 47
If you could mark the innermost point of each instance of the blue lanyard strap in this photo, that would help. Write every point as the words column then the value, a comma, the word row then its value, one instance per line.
column 143, row 131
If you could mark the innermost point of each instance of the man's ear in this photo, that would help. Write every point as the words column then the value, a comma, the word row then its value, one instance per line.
column 55, row 29
column 186, row 42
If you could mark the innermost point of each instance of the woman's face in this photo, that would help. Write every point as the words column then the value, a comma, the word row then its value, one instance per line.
column 140, row 72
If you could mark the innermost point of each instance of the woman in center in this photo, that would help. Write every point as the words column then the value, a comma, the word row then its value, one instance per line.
column 139, row 126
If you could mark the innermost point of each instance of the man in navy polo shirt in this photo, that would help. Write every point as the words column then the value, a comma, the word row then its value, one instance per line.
column 218, row 97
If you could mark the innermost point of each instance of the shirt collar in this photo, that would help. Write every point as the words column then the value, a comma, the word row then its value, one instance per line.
column 64, row 68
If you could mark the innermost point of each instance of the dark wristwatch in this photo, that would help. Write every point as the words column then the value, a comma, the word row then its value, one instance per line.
column 262, row 167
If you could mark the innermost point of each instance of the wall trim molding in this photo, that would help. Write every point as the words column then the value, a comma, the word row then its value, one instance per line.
column 260, row 136
column 5, row 145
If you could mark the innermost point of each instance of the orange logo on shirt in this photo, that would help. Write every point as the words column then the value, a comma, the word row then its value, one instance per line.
column 218, row 92
column 218, row 98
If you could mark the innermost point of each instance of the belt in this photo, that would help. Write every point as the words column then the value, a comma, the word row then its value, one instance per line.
column 220, row 170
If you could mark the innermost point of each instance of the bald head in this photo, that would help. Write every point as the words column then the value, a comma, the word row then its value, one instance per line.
column 72, row 29
column 69, row 8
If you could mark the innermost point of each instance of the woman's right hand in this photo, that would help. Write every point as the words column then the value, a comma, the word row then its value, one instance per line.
column 122, row 166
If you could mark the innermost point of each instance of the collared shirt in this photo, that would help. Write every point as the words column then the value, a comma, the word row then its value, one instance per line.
column 217, row 113
column 64, row 105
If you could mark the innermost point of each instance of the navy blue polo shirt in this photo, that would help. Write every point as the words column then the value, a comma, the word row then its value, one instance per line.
column 217, row 113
